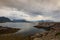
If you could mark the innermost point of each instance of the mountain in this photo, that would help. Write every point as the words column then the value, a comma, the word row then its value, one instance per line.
column 19, row 20
column 4, row 19
column 45, row 21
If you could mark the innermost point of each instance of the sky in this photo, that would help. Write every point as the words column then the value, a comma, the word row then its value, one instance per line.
column 31, row 9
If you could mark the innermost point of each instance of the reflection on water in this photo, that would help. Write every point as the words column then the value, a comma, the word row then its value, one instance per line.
column 26, row 28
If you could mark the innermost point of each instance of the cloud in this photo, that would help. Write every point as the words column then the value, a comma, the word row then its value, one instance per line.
column 13, row 13
column 31, row 9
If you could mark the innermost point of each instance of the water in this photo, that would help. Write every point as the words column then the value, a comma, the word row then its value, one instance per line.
column 26, row 28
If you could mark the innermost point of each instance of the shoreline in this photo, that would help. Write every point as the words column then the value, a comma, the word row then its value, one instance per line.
column 52, row 34
column 7, row 30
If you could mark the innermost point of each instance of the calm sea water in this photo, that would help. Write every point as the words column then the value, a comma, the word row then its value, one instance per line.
column 26, row 28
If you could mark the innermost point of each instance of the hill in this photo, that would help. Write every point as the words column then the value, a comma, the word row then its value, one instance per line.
column 4, row 19
column 19, row 20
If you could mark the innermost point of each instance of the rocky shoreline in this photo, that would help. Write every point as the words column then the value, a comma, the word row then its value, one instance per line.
column 52, row 34
column 7, row 30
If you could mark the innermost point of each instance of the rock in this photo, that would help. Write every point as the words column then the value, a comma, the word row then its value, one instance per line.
column 48, row 26
column 6, row 30
column 52, row 34
column 37, row 39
